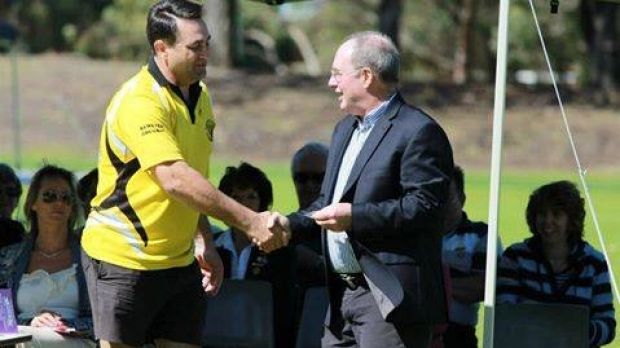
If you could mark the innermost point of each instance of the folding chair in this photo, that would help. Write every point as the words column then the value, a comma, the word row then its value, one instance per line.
column 541, row 325
column 312, row 318
column 241, row 315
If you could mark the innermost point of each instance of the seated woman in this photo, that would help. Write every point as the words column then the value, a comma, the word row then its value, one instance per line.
column 556, row 265
column 44, row 271
column 249, row 186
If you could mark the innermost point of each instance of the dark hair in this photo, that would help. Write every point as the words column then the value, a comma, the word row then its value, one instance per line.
column 311, row 148
column 8, row 176
column 458, row 177
column 87, row 188
column 161, row 22
column 247, row 176
column 49, row 172
column 558, row 196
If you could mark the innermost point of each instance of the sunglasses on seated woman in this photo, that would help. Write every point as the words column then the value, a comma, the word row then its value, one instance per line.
column 51, row 196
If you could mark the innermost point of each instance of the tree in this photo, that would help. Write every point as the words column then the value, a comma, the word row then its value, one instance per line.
column 52, row 24
column 389, row 12
column 599, row 27
column 224, row 21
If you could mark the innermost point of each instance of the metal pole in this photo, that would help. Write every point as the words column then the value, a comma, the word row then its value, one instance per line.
column 17, row 154
column 496, row 160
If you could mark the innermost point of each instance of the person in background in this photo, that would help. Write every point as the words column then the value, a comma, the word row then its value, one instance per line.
column 87, row 189
column 11, row 231
column 44, row 271
column 556, row 264
column 308, row 170
column 464, row 253
column 249, row 186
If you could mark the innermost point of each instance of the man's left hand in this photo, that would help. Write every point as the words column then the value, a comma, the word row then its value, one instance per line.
column 212, row 269
column 335, row 217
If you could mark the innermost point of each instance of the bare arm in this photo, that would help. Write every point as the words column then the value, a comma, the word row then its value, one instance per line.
column 188, row 186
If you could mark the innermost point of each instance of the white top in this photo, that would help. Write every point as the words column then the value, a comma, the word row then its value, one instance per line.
column 238, row 263
column 57, row 292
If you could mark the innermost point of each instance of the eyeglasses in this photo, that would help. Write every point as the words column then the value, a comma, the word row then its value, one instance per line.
column 303, row 178
column 338, row 75
column 52, row 196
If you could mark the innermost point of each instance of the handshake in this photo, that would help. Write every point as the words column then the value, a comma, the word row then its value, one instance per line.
column 269, row 231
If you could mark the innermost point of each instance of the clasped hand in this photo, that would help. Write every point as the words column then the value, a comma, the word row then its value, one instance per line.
column 269, row 232
column 49, row 319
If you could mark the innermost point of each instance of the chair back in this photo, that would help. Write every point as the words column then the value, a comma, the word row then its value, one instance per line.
column 541, row 325
column 313, row 313
column 241, row 315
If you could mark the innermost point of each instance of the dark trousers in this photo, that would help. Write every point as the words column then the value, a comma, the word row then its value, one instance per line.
column 460, row 336
column 365, row 327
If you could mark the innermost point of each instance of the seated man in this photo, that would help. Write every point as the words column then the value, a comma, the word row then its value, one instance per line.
column 464, row 252
column 242, row 260
column 556, row 264
column 11, row 231
column 87, row 189
column 308, row 169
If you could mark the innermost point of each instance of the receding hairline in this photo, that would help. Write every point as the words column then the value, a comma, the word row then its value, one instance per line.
column 374, row 38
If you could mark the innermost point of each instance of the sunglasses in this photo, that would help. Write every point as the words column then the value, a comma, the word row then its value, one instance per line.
column 305, row 177
column 52, row 196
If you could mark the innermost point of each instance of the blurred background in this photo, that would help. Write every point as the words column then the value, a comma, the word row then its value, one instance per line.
column 62, row 60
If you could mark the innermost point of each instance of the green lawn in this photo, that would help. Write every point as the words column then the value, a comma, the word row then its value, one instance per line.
column 516, row 187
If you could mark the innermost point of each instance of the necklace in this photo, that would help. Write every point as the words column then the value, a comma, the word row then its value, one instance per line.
column 50, row 255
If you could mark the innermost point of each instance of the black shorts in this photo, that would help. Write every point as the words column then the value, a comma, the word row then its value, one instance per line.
column 135, row 307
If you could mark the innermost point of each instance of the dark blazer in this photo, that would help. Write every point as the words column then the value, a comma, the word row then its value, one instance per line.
column 397, row 188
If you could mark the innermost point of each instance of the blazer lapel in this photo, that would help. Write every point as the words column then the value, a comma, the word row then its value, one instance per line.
column 374, row 139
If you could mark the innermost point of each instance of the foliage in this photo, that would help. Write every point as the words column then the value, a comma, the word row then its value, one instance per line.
column 120, row 33
column 560, row 33
column 52, row 24
column 429, row 32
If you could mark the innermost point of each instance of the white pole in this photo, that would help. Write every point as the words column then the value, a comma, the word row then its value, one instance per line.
column 17, row 154
column 496, row 160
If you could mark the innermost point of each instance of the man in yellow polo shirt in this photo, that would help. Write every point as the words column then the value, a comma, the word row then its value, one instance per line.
column 143, row 280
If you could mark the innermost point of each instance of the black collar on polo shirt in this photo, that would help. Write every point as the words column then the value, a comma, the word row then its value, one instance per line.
column 194, row 88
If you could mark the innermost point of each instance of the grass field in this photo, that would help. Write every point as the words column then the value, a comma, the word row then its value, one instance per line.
column 516, row 187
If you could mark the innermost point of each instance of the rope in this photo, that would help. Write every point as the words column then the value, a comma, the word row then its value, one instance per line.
column 580, row 170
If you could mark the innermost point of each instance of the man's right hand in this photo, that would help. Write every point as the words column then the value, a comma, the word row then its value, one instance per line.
column 280, row 223
column 266, row 233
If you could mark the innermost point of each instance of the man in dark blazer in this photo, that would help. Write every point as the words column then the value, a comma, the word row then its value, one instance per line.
column 386, row 182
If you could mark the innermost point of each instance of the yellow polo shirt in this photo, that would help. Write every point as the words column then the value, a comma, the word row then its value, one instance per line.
column 134, row 223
